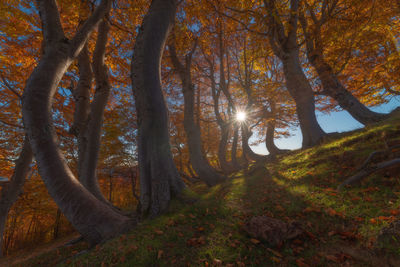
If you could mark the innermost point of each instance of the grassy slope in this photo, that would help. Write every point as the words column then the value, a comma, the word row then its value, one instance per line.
column 341, row 227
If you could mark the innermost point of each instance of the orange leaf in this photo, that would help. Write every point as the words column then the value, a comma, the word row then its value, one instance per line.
column 254, row 241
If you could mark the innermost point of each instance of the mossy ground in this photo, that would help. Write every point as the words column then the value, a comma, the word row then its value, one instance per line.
column 341, row 227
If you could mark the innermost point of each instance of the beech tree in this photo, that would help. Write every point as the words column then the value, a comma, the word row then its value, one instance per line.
column 95, row 220
column 332, row 86
column 159, row 178
column 199, row 162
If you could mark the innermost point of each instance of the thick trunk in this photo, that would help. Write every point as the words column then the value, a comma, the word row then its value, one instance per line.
column 250, row 155
column 159, row 178
column 11, row 191
column 335, row 89
column 269, row 138
column 92, row 134
column 302, row 93
column 200, row 164
column 95, row 220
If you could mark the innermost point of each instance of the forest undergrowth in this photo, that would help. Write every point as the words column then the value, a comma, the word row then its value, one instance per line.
column 340, row 227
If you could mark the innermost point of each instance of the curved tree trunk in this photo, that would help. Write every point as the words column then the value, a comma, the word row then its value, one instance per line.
column 11, row 191
column 246, row 134
column 330, row 82
column 197, row 158
column 159, row 178
column 335, row 89
column 92, row 133
column 302, row 93
column 269, row 138
column 286, row 48
column 95, row 220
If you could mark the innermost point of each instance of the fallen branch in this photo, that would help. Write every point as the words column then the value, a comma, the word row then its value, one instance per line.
column 367, row 171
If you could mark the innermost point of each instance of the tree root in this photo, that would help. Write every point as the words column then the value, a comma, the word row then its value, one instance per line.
column 365, row 169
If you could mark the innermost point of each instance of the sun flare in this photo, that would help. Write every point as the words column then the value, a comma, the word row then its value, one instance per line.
column 240, row 116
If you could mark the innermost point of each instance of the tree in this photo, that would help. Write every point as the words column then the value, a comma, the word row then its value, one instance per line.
column 159, row 178
column 197, row 158
column 11, row 191
column 286, row 49
column 330, row 82
column 95, row 220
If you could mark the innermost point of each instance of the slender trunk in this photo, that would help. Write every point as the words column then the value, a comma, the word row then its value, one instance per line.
column 302, row 93
column 234, row 158
column 11, row 191
column 193, row 134
column 95, row 220
column 159, row 178
column 335, row 89
column 225, row 166
column 82, row 104
column 110, row 188
column 92, row 134
column 57, row 224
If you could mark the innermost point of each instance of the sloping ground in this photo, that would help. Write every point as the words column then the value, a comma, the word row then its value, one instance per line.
column 340, row 227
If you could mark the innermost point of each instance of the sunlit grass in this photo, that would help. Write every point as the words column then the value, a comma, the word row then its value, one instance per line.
column 299, row 187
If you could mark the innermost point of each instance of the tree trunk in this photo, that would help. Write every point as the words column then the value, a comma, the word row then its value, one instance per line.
column 82, row 104
column 246, row 134
column 92, row 134
column 335, row 89
column 234, row 158
column 57, row 225
column 302, row 93
column 269, row 138
column 225, row 166
column 330, row 82
column 198, row 160
column 95, row 220
column 11, row 191
column 159, row 178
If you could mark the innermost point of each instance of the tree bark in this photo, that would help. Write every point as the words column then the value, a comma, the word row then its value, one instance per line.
column 235, row 140
column 269, row 138
column 95, row 220
column 159, row 178
column 198, row 160
column 246, row 134
column 92, row 133
column 82, row 104
column 285, row 47
column 11, row 191
column 302, row 93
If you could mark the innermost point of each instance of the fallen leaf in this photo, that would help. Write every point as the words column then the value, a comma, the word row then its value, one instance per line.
column 276, row 253
column 159, row 254
column 158, row 232
column 300, row 262
column 254, row 241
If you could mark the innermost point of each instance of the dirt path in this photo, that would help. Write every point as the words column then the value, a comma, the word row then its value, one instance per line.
column 24, row 256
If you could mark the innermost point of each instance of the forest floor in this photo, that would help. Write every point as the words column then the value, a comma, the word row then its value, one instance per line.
column 341, row 228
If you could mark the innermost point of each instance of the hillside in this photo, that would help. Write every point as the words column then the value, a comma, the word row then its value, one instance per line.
column 340, row 228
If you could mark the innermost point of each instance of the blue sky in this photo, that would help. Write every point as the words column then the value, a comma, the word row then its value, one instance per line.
column 334, row 122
